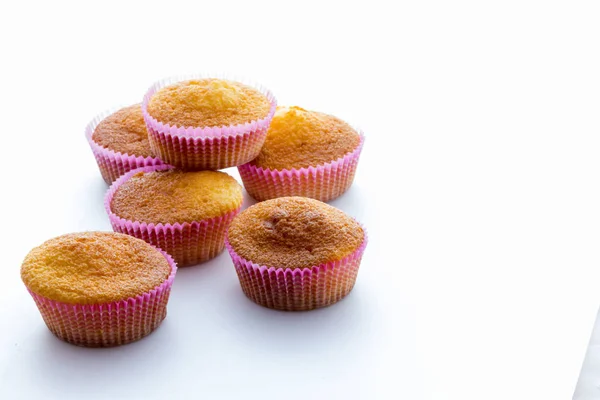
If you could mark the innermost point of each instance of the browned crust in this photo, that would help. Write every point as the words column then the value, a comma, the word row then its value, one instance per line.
column 94, row 267
column 208, row 102
column 294, row 232
column 124, row 131
column 298, row 138
column 176, row 196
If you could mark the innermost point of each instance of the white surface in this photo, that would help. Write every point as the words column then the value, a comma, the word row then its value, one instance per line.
column 478, row 184
column 588, row 386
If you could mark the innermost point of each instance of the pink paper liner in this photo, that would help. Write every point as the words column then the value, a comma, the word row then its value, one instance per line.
column 113, row 164
column 215, row 147
column 300, row 289
column 189, row 243
column 108, row 324
column 324, row 182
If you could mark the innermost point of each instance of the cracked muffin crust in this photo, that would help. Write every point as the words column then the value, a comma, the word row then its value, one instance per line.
column 294, row 232
column 298, row 138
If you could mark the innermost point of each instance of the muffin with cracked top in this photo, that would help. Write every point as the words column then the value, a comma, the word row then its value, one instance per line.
column 295, row 253
column 306, row 153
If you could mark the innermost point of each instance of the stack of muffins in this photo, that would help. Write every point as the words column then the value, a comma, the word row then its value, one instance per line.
column 169, row 207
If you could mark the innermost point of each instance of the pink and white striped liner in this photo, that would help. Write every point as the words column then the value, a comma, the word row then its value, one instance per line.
column 298, row 289
column 113, row 164
column 108, row 324
column 324, row 182
column 216, row 147
column 189, row 243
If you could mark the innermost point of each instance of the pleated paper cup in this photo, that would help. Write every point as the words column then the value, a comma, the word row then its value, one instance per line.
column 108, row 324
column 113, row 164
column 189, row 243
column 323, row 182
column 207, row 147
column 299, row 289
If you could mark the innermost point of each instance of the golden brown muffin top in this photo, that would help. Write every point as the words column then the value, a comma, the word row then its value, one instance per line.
column 176, row 196
column 124, row 131
column 298, row 138
column 294, row 232
column 208, row 102
column 93, row 268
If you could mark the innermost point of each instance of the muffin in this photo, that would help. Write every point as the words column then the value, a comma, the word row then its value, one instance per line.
column 207, row 123
column 295, row 253
column 119, row 141
column 306, row 153
column 183, row 213
column 99, row 289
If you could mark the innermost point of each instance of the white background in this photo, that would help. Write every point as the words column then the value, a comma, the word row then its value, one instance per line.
column 478, row 184
column 588, row 386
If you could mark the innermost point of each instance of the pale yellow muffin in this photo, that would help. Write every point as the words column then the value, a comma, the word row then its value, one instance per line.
column 294, row 232
column 176, row 196
column 186, row 214
column 207, row 103
column 124, row 131
column 298, row 138
column 94, row 268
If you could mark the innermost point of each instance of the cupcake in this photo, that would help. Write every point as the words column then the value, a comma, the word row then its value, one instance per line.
column 99, row 289
column 207, row 123
column 307, row 154
column 295, row 253
column 183, row 213
column 119, row 141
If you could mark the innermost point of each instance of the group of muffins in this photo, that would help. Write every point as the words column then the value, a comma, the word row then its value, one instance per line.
column 170, row 207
